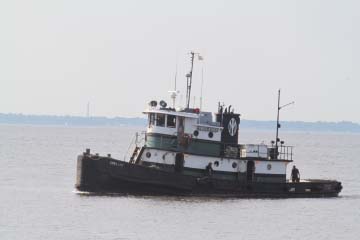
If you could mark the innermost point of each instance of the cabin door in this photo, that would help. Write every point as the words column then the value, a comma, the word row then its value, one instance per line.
column 250, row 170
column 180, row 131
column 181, row 126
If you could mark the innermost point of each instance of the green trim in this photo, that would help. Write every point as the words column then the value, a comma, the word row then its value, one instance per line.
column 195, row 146
column 161, row 142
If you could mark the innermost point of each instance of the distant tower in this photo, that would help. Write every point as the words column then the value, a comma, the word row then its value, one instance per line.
column 88, row 110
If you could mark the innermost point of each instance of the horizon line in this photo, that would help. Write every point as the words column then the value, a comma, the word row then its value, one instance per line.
column 129, row 117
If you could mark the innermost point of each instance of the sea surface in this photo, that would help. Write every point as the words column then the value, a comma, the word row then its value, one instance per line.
column 38, row 199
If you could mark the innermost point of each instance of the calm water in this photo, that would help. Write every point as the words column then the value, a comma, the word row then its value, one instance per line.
column 37, row 198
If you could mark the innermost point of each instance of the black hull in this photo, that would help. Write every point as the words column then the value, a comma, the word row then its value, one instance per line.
column 107, row 175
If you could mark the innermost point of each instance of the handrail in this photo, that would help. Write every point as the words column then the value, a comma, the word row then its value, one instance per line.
column 134, row 140
column 285, row 152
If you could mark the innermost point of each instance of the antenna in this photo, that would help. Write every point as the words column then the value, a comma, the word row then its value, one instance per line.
column 202, row 83
column 88, row 110
column 181, row 98
column 174, row 93
column 176, row 72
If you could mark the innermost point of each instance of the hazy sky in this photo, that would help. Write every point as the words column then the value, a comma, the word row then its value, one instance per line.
column 55, row 56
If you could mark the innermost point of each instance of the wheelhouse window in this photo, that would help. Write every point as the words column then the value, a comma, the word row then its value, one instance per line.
column 151, row 119
column 160, row 120
column 171, row 121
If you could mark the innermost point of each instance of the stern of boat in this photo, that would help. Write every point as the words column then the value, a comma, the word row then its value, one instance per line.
column 89, row 172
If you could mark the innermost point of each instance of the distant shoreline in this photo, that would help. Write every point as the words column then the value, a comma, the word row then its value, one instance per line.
column 21, row 119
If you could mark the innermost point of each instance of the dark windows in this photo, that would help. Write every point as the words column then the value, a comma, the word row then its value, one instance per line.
column 160, row 120
column 151, row 119
column 171, row 121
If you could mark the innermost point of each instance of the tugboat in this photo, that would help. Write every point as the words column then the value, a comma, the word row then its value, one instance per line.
column 190, row 152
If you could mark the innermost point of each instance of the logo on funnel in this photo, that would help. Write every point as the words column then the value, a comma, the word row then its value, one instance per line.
column 232, row 127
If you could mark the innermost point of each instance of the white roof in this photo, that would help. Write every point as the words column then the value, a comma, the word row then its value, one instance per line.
column 180, row 114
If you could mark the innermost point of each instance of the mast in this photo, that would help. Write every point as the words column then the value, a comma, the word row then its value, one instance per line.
column 189, row 77
column 189, row 81
column 277, row 123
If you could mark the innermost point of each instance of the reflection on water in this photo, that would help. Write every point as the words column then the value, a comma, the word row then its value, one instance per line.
column 38, row 200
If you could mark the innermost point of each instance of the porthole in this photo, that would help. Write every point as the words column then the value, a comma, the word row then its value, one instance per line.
column 148, row 154
column 269, row 166
column 234, row 164
column 216, row 163
column 196, row 133
column 211, row 135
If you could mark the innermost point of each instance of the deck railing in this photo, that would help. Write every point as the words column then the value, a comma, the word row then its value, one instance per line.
column 265, row 151
column 285, row 152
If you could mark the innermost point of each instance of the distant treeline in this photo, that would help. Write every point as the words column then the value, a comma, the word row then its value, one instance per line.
column 343, row 126
column 68, row 120
column 119, row 121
